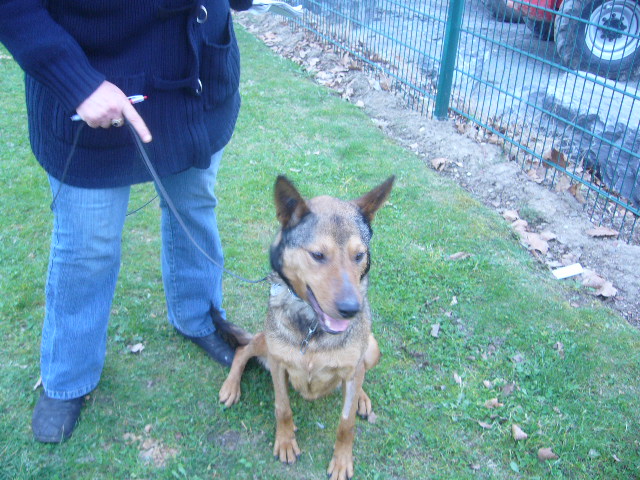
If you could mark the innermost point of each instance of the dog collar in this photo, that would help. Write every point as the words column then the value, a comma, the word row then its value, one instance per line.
column 277, row 289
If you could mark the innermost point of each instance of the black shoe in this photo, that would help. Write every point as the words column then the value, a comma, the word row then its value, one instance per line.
column 53, row 420
column 215, row 347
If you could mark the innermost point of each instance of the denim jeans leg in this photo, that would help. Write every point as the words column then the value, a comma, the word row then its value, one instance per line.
column 191, row 282
column 83, row 268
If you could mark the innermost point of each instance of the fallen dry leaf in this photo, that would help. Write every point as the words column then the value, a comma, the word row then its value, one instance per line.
column 485, row 425
column 493, row 403
column 459, row 256
column 591, row 279
column 508, row 389
column 607, row 290
column 602, row 232
column 577, row 193
column 439, row 163
column 510, row 215
column 548, row 236
column 435, row 330
column 487, row 384
column 454, row 301
column 546, row 454
column 137, row 348
column 457, row 378
column 535, row 242
column 520, row 226
column 563, row 184
column 558, row 158
column 517, row 433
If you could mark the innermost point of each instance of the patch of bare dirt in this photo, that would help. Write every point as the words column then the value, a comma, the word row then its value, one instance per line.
column 556, row 229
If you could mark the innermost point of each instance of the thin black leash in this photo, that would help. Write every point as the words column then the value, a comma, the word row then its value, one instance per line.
column 66, row 168
column 163, row 193
column 167, row 198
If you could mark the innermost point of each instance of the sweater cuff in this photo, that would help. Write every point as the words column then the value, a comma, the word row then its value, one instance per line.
column 70, row 76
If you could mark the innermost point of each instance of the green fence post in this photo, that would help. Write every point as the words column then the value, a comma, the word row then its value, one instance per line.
column 448, row 62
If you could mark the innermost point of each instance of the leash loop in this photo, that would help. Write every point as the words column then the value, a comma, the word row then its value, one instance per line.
column 167, row 199
column 163, row 192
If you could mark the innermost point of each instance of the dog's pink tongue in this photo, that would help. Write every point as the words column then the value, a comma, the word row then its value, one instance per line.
column 335, row 324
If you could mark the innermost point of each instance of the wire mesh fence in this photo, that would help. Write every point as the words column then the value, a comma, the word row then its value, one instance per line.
column 555, row 81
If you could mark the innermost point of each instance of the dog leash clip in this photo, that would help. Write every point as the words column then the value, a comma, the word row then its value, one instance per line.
column 307, row 339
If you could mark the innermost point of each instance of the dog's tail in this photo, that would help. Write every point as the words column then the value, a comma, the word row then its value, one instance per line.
column 230, row 333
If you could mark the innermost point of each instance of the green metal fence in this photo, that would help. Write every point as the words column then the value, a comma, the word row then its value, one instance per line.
column 557, row 83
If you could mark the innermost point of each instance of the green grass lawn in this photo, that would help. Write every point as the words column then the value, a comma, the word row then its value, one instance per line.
column 567, row 376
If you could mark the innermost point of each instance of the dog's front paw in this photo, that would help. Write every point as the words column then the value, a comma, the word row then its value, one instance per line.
column 286, row 448
column 364, row 404
column 230, row 392
column 341, row 466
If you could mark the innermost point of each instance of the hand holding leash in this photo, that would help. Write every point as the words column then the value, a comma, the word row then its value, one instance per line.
column 109, row 107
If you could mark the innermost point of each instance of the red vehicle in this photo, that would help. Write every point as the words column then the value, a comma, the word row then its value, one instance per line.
column 599, row 36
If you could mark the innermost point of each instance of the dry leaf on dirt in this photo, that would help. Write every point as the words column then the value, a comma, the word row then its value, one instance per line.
column 435, row 330
column 556, row 157
column 510, row 215
column 577, row 193
column 546, row 454
column 602, row 232
column 493, row 403
column 548, row 236
column 520, row 226
column 607, row 290
column 563, row 184
column 535, row 242
column 439, row 163
column 591, row 279
column 517, row 433
column 604, row 288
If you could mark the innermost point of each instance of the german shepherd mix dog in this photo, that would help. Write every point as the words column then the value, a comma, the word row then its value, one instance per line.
column 317, row 334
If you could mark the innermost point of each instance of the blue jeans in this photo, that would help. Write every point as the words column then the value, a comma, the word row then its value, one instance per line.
column 84, row 265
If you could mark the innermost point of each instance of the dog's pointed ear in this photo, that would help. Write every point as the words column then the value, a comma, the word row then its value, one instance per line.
column 372, row 201
column 290, row 206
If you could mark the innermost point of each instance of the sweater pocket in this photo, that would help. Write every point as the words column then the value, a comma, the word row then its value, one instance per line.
column 67, row 130
column 220, row 70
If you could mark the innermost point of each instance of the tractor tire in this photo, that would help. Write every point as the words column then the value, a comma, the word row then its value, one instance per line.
column 540, row 28
column 502, row 12
column 605, row 42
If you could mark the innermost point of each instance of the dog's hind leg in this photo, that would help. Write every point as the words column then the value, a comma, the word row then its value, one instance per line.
column 230, row 391
column 371, row 359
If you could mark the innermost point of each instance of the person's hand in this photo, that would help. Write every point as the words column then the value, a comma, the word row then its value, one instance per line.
column 108, row 106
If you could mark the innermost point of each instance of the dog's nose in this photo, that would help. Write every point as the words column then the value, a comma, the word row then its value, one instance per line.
column 348, row 308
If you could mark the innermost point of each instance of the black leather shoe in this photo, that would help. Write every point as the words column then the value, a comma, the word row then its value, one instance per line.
column 215, row 347
column 53, row 420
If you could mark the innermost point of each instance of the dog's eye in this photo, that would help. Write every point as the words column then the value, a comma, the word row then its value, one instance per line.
column 359, row 257
column 317, row 256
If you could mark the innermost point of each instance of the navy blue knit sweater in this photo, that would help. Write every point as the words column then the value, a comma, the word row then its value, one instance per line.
column 182, row 54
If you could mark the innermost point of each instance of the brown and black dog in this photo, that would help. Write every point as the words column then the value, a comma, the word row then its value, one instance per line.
column 317, row 334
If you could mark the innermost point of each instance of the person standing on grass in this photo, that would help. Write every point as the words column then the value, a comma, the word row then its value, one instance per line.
column 88, row 58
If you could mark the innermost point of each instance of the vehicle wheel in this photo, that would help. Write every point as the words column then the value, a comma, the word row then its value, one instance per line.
column 605, row 42
column 502, row 12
